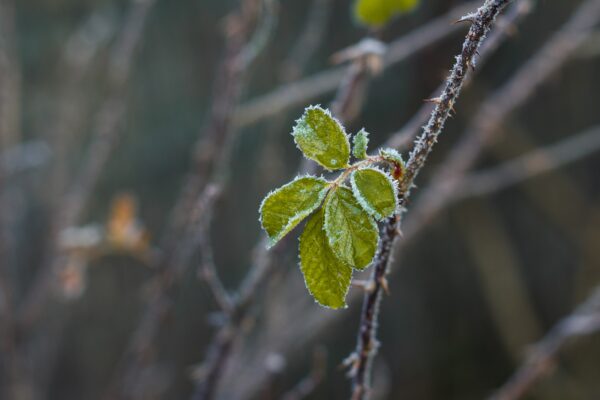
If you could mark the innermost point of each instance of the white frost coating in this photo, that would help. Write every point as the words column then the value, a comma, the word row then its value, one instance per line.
column 363, row 202
column 391, row 154
column 299, row 130
column 301, row 215
column 346, row 288
column 333, row 235
column 360, row 144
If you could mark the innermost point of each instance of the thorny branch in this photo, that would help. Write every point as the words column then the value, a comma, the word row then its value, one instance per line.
column 505, row 26
column 541, row 357
column 298, row 93
column 263, row 260
column 481, row 23
column 219, row 350
column 494, row 110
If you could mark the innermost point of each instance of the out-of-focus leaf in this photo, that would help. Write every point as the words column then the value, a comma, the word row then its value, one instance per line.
column 379, row 12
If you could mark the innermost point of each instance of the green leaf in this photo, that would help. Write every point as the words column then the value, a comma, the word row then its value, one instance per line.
column 391, row 155
column 351, row 232
column 321, row 138
column 359, row 144
column 379, row 12
column 287, row 206
column 375, row 192
column 327, row 277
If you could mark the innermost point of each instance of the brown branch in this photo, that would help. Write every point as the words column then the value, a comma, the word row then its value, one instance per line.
column 185, row 231
column 309, row 40
column 481, row 23
column 207, row 270
column 40, row 300
column 264, row 261
column 307, row 386
column 495, row 109
column 505, row 27
column 541, row 358
column 104, row 134
column 529, row 165
column 222, row 345
column 76, row 60
column 300, row 92
column 422, row 212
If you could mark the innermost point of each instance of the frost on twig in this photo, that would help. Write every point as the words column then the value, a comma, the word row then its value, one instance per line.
column 482, row 22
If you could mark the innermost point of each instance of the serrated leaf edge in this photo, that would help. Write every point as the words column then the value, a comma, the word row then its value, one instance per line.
column 273, row 240
column 391, row 154
column 355, row 149
column 371, row 221
column 315, row 107
column 340, row 260
column 364, row 203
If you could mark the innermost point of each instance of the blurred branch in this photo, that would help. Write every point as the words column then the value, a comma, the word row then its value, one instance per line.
column 105, row 131
column 352, row 86
column 585, row 320
column 207, row 269
column 309, row 40
column 494, row 110
column 77, row 59
column 366, row 348
column 298, row 93
column 10, row 135
column 307, row 386
column 531, row 164
column 184, row 233
column 506, row 26
column 265, row 260
column 24, row 156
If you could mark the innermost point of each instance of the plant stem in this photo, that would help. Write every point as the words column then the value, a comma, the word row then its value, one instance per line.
column 481, row 22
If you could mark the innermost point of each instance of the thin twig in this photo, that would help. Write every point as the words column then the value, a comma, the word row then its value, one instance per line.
column 307, row 386
column 263, row 260
column 540, row 360
column 309, row 40
column 207, row 269
column 184, row 233
column 531, row 164
column 494, row 110
column 76, row 60
column 481, row 23
column 105, row 132
column 40, row 296
column 505, row 27
column 221, row 347
column 300, row 92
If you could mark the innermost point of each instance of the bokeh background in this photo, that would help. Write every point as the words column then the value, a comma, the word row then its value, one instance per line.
column 480, row 283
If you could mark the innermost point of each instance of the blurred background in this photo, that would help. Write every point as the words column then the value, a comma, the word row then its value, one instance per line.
column 139, row 137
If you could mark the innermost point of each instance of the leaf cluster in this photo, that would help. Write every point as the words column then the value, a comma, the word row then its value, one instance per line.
column 341, row 234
